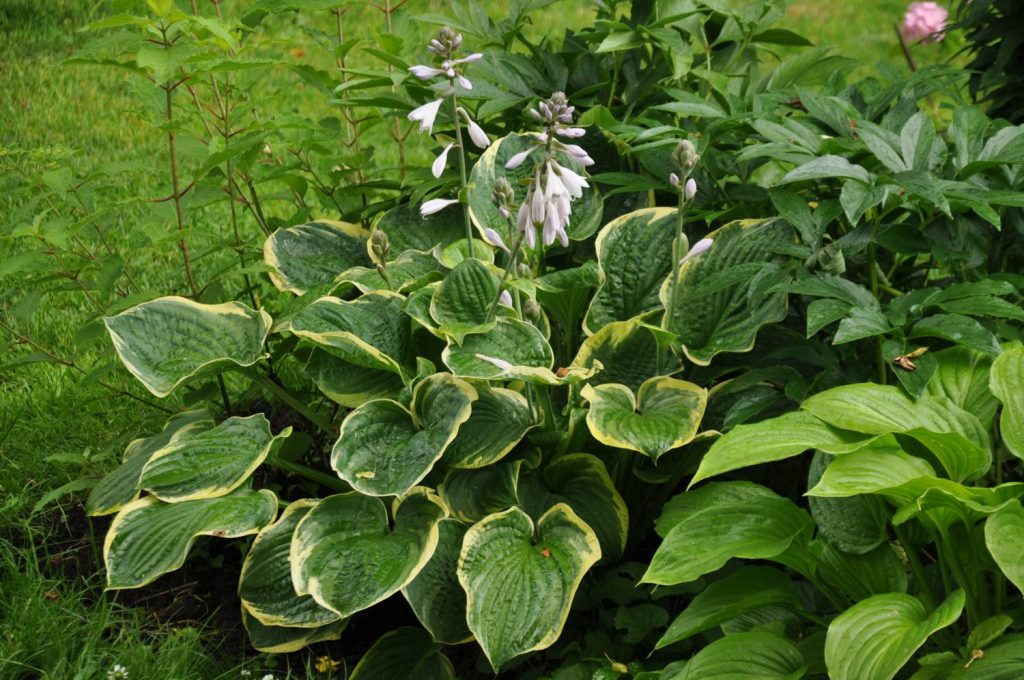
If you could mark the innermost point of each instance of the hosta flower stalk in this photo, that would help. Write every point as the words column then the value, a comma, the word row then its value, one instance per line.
column 684, row 157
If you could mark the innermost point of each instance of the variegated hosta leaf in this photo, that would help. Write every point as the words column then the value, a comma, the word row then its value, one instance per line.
column 462, row 303
column 265, row 584
column 384, row 449
column 311, row 255
column 166, row 341
column 472, row 495
column 454, row 253
column 283, row 639
column 122, row 485
column 628, row 352
column 149, row 538
column 724, row 294
column 520, row 580
column 404, row 653
column 586, row 211
column 371, row 331
column 581, row 481
column 345, row 556
column 435, row 594
column 566, row 293
column 499, row 420
column 664, row 414
column 634, row 252
column 210, row 463
column 348, row 384
column 408, row 230
column 412, row 269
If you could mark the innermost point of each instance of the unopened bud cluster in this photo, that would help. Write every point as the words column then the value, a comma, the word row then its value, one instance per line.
column 685, row 158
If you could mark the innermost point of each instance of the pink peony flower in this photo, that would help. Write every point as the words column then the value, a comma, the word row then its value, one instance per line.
column 924, row 22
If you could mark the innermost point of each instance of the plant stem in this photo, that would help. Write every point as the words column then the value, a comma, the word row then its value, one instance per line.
column 873, row 265
column 676, row 256
column 512, row 258
column 462, row 166
column 916, row 567
column 290, row 399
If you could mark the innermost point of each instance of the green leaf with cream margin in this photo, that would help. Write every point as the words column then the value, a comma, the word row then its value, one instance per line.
column 664, row 414
column 462, row 303
column 1005, row 381
column 404, row 653
column 384, row 449
column 435, row 595
column 210, row 463
column 311, row 255
column 520, row 579
column 628, row 353
column 121, row 486
column 167, row 341
column 284, row 639
column 634, row 253
column 348, row 384
column 370, row 331
column 344, row 554
column 1004, row 536
column 499, row 420
column 727, row 293
column 876, row 637
column 149, row 538
column 265, row 584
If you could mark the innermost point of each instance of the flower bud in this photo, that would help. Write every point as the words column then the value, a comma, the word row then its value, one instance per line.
column 673, row 179
column 685, row 156
column 380, row 246
column 690, row 190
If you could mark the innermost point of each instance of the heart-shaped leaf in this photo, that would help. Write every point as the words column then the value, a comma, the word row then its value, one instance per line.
column 752, row 655
column 664, row 415
column 284, row 639
column 348, row 384
column 472, row 495
column 410, row 270
column 343, row 554
column 626, row 351
column 462, row 303
column 167, row 341
column 520, row 580
column 435, row 595
column 404, row 653
column 385, row 450
column 499, row 420
column 408, row 230
column 311, row 255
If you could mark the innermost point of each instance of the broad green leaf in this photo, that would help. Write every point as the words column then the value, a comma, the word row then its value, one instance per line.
column 1006, row 382
column 586, row 211
column 1004, row 536
column 945, row 501
column 451, row 255
column 775, row 439
column 705, row 528
column 963, row 330
column 753, row 655
column 167, row 341
column 581, row 481
column 520, row 579
column 827, row 167
column 921, row 150
column 408, row 230
column 435, row 595
column 410, row 270
column 500, row 418
column 210, row 463
column 461, row 304
column 472, row 495
column 265, row 584
column 283, row 639
column 121, row 486
column 511, row 350
column 344, row 555
column 664, row 414
column 312, row 255
column 404, row 653
column 348, row 384
column 1002, row 661
column 634, row 254
column 875, row 572
column 876, row 637
column 384, row 449
column 565, row 293
column 875, row 468
column 149, row 538
column 743, row 591
column 370, row 331
column 855, row 524
column 627, row 351
column 724, row 297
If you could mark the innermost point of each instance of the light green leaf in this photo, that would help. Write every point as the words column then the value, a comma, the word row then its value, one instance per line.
column 461, row 304
column 343, row 554
column 511, row 350
column 627, row 351
column 348, row 384
column 435, row 595
column 500, row 418
column 881, row 466
column 520, row 580
column 877, row 636
column 752, row 656
column 664, row 414
column 284, row 640
column 265, row 584
column 634, row 254
column 210, row 463
column 312, row 255
column 723, row 299
column 1004, row 536
column 149, row 538
column 404, row 653
column 385, row 450
column 963, row 376
column 1006, row 381
column 167, row 341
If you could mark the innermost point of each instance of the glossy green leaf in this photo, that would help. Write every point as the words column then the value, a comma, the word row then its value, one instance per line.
column 876, row 637
column 410, row 270
column 1006, row 381
column 344, row 554
column 875, row 572
column 311, row 255
column 664, row 414
column 1002, row 661
column 879, row 467
column 751, row 656
column 461, row 305
column 348, row 384
column 828, row 167
column 408, row 230
column 265, row 584
column 855, row 524
column 520, row 579
column 511, row 350
column 404, row 653
column 384, row 449
column 500, row 418
column 167, row 341
column 634, row 254
column 283, row 639
column 1004, row 537
column 723, row 299
column 957, row 328
column 626, row 351
column 435, row 595
column 472, row 495
column 149, row 538
column 212, row 462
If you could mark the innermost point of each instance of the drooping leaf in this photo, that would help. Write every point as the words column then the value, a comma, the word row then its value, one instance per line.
column 855, row 524
column 167, row 341
column 283, row 639
column 149, row 538
column 881, row 466
column 520, row 579
column 1006, row 380
column 877, row 636
column 312, row 255
column 404, row 653
column 435, row 595
column 1004, row 534
column 753, row 655
column 500, row 418
column 348, row 384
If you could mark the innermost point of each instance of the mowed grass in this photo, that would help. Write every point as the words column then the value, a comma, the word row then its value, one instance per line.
column 54, row 431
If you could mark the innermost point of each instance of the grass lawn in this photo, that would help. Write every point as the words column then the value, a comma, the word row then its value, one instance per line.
column 54, row 621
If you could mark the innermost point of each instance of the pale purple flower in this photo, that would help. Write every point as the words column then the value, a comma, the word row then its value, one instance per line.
column 494, row 238
column 578, row 153
column 500, row 363
column 673, row 179
column 570, row 131
column 476, row 133
column 924, row 22
column 520, row 158
column 425, row 72
column 573, row 182
column 436, row 205
column 469, row 58
column 426, row 114
column 505, row 298
column 437, row 168
column 465, row 82
column 690, row 190
column 698, row 248
column 525, row 225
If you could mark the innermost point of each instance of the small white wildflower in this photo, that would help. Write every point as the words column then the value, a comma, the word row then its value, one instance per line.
column 118, row 672
column 573, row 182
column 500, row 363
column 699, row 247
column 437, row 168
column 469, row 58
column 436, row 205
column 426, row 114
column 690, row 190
column 525, row 225
column 465, row 82
column 268, row 676
column 477, row 134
